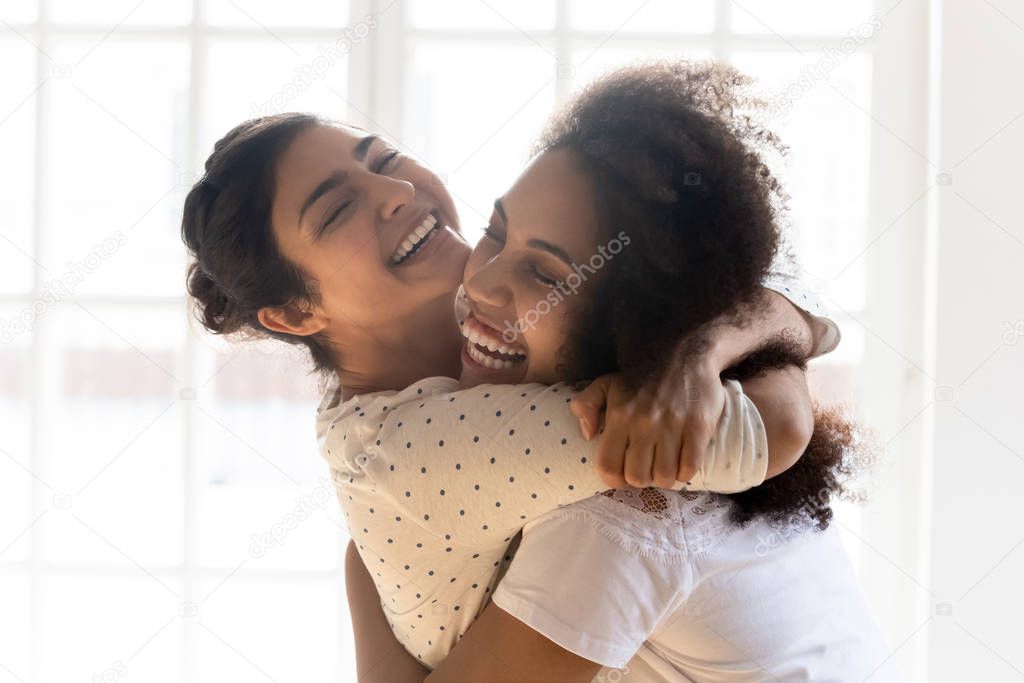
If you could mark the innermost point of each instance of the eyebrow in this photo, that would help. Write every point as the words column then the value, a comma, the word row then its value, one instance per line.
column 364, row 146
column 332, row 181
column 552, row 249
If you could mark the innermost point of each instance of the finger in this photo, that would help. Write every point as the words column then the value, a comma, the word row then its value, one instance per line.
column 666, row 462
column 638, row 464
column 611, row 454
column 702, row 427
column 695, row 444
column 686, row 470
column 589, row 404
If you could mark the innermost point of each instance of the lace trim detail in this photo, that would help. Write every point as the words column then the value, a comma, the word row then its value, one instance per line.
column 671, row 526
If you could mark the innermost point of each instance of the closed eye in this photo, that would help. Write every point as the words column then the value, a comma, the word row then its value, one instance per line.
column 540, row 277
column 333, row 217
column 386, row 161
column 493, row 234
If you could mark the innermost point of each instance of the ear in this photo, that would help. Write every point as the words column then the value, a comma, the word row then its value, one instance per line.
column 291, row 320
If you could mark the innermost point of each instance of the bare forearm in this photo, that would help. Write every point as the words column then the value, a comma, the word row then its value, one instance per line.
column 379, row 656
column 784, row 402
column 775, row 317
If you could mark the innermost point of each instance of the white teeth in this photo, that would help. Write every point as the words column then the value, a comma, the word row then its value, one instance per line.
column 488, row 362
column 418, row 234
column 477, row 334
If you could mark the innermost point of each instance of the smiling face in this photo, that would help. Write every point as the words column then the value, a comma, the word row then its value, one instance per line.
column 375, row 232
column 526, row 278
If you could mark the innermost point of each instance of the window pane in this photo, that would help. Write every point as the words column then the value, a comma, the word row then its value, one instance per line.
column 115, row 165
column 16, row 597
column 800, row 16
column 472, row 14
column 262, row 490
column 115, row 461
column 590, row 62
column 126, row 12
column 472, row 127
column 276, row 14
column 16, row 480
column 835, row 379
column 97, row 627
column 250, row 78
column 21, row 12
column 17, row 164
column 661, row 16
column 291, row 630
column 825, row 174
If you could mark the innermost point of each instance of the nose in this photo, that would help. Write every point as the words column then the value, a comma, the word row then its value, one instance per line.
column 488, row 284
column 390, row 195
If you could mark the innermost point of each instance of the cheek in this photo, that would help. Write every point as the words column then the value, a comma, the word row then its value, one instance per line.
column 350, row 273
column 427, row 182
column 545, row 323
column 473, row 263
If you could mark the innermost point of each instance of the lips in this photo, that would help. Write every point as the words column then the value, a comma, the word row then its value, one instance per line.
column 487, row 347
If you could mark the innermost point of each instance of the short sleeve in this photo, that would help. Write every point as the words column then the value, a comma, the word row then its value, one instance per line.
column 826, row 331
column 575, row 585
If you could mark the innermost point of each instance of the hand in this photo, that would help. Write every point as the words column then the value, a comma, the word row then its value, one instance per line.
column 655, row 435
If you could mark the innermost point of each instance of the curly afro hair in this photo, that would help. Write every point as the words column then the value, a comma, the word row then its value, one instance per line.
column 676, row 165
column 677, row 159
column 839, row 450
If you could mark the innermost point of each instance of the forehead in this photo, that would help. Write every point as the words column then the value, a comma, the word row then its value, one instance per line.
column 313, row 155
column 553, row 200
column 319, row 149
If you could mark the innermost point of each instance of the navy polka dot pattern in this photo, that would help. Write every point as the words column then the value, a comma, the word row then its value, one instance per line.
column 449, row 488
column 435, row 481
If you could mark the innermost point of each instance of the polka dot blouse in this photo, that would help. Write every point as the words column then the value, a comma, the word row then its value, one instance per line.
column 435, row 481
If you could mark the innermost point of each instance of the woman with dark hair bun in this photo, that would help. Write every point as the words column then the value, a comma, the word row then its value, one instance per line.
column 325, row 235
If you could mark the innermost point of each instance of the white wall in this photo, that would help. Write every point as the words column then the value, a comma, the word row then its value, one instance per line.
column 977, row 557
column 942, row 542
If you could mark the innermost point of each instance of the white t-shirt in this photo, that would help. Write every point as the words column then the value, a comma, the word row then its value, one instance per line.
column 434, row 481
column 662, row 584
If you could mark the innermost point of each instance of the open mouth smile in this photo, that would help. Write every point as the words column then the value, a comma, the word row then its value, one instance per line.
column 486, row 347
column 417, row 238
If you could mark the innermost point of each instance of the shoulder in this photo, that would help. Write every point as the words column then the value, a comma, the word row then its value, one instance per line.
column 344, row 427
column 332, row 409
column 642, row 546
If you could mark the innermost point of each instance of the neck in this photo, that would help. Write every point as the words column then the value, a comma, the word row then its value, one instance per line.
column 401, row 352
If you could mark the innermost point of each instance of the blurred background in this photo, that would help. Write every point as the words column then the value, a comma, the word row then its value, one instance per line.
column 165, row 514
